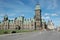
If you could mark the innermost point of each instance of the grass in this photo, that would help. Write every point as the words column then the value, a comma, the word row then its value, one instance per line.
column 17, row 31
column 5, row 31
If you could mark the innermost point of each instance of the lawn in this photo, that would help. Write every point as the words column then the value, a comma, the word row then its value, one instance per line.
column 14, row 31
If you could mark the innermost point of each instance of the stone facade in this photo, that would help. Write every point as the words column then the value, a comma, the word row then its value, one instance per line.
column 50, row 24
column 20, row 23
column 38, row 19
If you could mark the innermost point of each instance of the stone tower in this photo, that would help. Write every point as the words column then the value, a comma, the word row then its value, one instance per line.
column 38, row 20
column 5, row 18
column 5, row 22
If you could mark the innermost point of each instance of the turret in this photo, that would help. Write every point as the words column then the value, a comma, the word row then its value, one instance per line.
column 5, row 18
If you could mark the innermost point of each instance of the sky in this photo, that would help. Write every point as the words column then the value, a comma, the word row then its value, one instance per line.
column 14, row 8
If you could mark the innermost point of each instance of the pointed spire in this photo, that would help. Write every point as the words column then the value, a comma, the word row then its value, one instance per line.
column 38, row 2
column 5, row 17
column 37, row 6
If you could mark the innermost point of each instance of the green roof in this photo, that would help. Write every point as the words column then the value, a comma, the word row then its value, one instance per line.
column 19, row 18
column 43, row 20
column 11, row 21
column 5, row 16
column 37, row 7
column 0, row 22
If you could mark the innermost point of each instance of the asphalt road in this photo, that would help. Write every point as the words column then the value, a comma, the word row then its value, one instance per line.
column 45, row 35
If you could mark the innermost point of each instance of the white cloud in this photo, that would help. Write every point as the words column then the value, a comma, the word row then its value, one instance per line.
column 51, row 14
column 46, row 14
column 47, row 17
column 43, row 17
column 52, row 4
column 54, row 14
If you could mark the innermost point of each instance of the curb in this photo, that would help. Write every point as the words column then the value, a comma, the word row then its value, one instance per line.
column 11, row 34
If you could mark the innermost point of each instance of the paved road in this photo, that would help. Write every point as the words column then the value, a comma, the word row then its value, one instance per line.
column 51, row 35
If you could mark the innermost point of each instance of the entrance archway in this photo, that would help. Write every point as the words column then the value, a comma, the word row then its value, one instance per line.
column 18, row 27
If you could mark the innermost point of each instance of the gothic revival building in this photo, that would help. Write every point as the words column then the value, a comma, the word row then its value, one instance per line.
column 50, row 24
column 38, row 19
column 44, row 25
column 20, row 23
column 5, row 22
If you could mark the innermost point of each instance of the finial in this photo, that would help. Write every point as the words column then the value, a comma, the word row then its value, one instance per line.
column 38, row 2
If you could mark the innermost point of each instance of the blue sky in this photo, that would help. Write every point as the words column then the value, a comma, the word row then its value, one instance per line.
column 14, row 8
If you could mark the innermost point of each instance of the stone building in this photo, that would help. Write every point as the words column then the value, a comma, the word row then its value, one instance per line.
column 11, row 25
column 29, row 24
column 1, row 25
column 5, row 22
column 44, row 25
column 20, row 23
column 38, row 20
column 50, row 24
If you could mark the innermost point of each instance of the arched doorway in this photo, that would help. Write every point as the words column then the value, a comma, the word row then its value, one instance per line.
column 18, row 27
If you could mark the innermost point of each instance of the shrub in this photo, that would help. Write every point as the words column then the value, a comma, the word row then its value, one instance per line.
column 5, row 32
column 13, row 32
